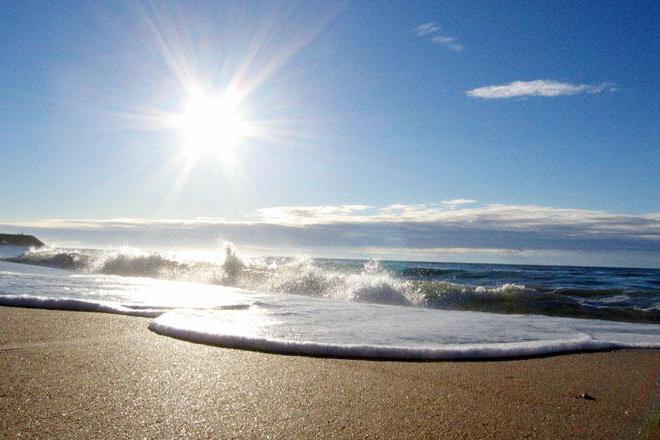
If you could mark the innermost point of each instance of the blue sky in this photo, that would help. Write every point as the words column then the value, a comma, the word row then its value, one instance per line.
column 533, row 107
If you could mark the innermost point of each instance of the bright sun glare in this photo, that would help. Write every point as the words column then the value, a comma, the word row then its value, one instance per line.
column 211, row 124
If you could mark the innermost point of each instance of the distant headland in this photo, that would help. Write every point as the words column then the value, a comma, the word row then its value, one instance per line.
column 20, row 240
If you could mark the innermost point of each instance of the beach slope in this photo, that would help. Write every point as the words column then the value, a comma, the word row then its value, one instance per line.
column 82, row 375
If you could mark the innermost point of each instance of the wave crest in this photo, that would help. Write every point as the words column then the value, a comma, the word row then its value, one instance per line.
column 369, row 282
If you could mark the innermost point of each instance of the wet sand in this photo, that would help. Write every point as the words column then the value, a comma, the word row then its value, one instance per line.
column 89, row 375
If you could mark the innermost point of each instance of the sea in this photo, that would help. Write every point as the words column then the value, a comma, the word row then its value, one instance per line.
column 399, row 310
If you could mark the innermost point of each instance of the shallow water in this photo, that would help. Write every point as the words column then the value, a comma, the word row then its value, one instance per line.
column 300, row 324
column 604, row 293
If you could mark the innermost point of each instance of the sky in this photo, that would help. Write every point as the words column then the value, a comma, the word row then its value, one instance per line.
column 448, row 131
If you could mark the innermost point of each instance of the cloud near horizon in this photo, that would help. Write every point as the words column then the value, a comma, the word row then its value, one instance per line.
column 457, row 202
column 452, row 226
column 540, row 87
column 432, row 30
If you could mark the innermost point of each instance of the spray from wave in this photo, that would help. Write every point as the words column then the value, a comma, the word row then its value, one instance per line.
column 479, row 288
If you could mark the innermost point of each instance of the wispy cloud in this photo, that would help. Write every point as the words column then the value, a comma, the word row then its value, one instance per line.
column 454, row 203
column 450, row 43
column 426, row 28
column 301, row 214
column 540, row 87
column 451, row 226
column 432, row 30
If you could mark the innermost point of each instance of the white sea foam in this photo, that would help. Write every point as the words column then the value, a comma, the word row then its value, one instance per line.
column 77, row 304
column 630, row 295
column 331, row 328
column 305, row 325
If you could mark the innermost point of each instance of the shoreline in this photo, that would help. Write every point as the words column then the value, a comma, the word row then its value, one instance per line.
column 73, row 374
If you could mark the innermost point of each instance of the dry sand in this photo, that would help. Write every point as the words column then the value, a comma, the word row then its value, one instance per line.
column 87, row 375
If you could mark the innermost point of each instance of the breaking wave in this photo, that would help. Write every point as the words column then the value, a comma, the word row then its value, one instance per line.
column 305, row 325
column 572, row 292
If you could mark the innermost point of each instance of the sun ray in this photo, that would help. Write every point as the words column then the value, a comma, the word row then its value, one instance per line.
column 211, row 101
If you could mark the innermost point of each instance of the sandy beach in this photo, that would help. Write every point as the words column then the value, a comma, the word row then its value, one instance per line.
column 82, row 375
column 89, row 375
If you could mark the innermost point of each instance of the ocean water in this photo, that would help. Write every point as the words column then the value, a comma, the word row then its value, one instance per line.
column 351, row 308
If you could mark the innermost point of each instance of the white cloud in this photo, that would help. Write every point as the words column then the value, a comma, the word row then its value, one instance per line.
column 431, row 30
column 426, row 28
column 450, row 43
column 456, row 213
column 540, row 87
column 457, row 202
column 456, row 226
column 308, row 214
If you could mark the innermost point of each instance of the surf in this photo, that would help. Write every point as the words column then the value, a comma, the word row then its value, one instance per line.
column 593, row 293
column 314, row 326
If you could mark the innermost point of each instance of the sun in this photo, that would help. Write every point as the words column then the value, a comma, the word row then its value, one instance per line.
column 211, row 124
